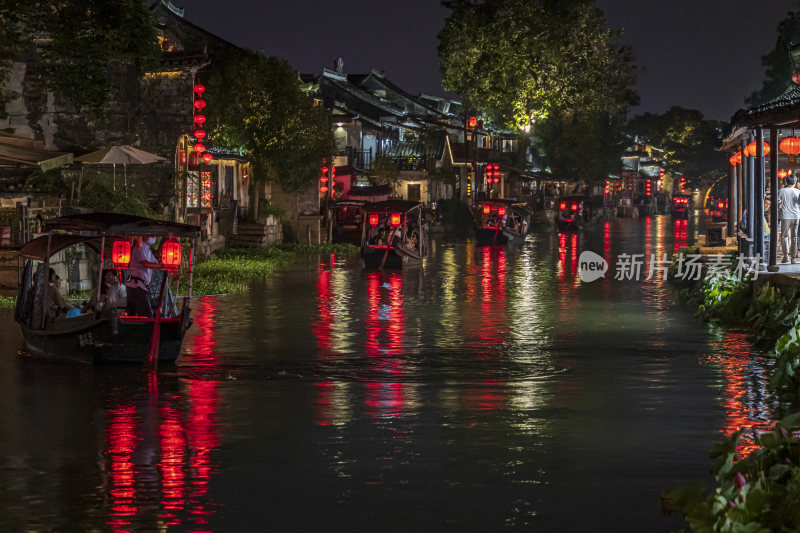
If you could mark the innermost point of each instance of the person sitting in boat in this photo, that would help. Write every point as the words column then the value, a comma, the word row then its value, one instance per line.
column 397, row 234
column 493, row 221
column 112, row 294
column 504, row 220
column 140, row 272
column 54, row 301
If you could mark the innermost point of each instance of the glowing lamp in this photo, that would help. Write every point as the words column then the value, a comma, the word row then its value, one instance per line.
column 782, row 173
column 121, row 253
column 562, row 205
column 199, row 104
column 373, row 219
column 199, row 148
column 324, row 170
column 199, row 135
column 750, row 149
column 323, row 189
column 501, row 211
column 207, row 157
column 323, row 179
column 394, row 220
column 171, row 254
column 200, row 119
column 791, row 147
column 574, row 207
column 473, row 121
column 199, row 89
column 732, row 160
column 486, row 209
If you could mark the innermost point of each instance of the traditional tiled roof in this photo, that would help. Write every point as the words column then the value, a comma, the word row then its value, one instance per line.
column 784, row 109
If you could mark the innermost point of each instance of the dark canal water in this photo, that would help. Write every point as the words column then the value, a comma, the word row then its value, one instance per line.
column 489, row 390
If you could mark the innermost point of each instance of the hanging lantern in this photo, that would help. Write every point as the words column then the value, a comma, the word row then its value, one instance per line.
column 199, row 104
column 782, row 173
column 121, row 253
column 750, row 149
column 323, row 179
column 394, row 220
column 200, row 119
column 199, row 89
column 732, row 160
column 373, row 219
column 193, row 159
column 171, row 253
column 199, row 135
column 501, row 211
column 323, row 189
column 207, row 157
column 791, row 147
column 486, row 209
column 199, row 148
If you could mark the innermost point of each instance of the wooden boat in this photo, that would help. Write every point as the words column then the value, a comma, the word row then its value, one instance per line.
column 682, row 206
column 347, row 217
column 394, row 234
column 572, row 213
column 107, row 335
column 501, row 221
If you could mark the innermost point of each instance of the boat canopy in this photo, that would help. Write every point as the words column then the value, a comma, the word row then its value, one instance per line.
column 116, row 224
column 37, row 248
column 392, row 206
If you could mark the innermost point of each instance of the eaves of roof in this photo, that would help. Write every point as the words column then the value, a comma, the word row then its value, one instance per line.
column 785, row 109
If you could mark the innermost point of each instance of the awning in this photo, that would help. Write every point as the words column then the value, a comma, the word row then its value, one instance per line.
column 33, row 157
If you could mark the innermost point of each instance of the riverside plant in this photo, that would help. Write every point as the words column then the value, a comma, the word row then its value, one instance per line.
column 232, row 270
column 7, row 302
column 758, row 493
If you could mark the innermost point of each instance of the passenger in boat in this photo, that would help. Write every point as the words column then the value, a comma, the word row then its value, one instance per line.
column 113, row 294
column 139, row 275
column 397, row 234
column 54, row 301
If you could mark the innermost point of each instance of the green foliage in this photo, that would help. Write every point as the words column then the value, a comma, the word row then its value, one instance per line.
column 689, row 142
column 520, row 60
column 98, row 194
column 725, row 297
column 266, row 209
column 756, row 494
column 583, row 145
column 384, row 171
column 80, row 45
column 232, row 270
column 8, row 302
column 256, row 103
column 777, row 63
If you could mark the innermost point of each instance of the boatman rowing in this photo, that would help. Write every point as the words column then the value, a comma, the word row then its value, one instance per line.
column 139, row 274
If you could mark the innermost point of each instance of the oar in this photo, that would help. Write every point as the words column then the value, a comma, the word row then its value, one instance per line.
column 154, row 341
column 383, row 261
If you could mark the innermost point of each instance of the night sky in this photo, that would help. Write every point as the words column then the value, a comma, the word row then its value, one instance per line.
column 698, row 54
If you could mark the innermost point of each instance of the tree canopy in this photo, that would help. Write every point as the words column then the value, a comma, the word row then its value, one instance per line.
column 777, row 63
column 689, row 141
column 77, row 45
column 256, row 104
column 521, row 60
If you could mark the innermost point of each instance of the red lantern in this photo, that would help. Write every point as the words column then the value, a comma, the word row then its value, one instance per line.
column 199, row 148
column 394, row 220
column 373, row 219
column 207, row 157
column 791, row 147
column 200, row 119
column 562, row 205
column 323, row 179
column 323, row 189
column 796, row 77
column 324, row 170
column 182, row 157
column 171, row 253
column 486, row 209
column 501, row 211
column 199, row 89
column 121, row 253
column 732, row 160
column 750, row 149
column 199, row 135
column 782, row 173
column 199, row 104
column 193, row 159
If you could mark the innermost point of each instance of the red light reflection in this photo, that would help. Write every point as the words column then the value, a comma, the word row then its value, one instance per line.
column 681, row 227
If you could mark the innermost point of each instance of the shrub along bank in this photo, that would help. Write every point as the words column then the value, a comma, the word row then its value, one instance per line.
column 758, row 492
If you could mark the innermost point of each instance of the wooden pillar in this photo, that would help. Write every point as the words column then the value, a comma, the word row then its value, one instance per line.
column 733, row 189
column 758, row 206
column 751, row 200
column 773, row 200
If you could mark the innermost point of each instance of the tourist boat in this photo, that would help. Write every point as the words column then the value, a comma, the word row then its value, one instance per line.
column 347, row 216
column 572, row 212
column 394, row 234
column 107, row 335
column 681, row 206
column 501, row 221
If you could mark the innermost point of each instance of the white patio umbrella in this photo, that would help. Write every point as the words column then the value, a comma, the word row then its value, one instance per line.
column 122, row 154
